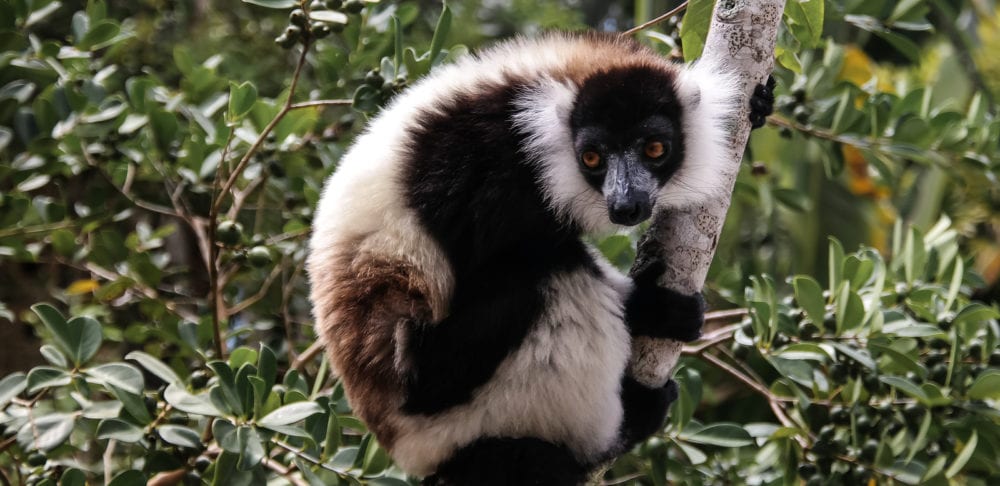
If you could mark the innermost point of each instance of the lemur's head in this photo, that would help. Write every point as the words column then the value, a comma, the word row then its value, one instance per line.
column 626, row 127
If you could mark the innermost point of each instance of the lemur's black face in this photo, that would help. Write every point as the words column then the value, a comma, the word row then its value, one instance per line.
column 627, row 132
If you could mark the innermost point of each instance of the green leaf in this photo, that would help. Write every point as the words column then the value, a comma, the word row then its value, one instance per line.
column 44, row 377
column 133, row 403
column 227, row 387
column 905, row 386
column 328, row 16
column 722, row 435
column 47, row 432
column 290, row 414
column 809, row 296
column 241, row 99
column 277, row 4
column 986, row 386
column 963, row 457
column 119, row 430
column 53, row 356
column 11, row 386
column 129, row 478
column 267, row 366
column 73, row 477
column 121, row 375
column 975, row 312
column 859, row 355
column 155, row 366
column 440, row 34
column 241, row 356
column 805, row 19
column 180, row 436
column 397, row 35
column 901, row 360
column 251, row 448
column 694, row 27
column 184, row 401
column 99, row 35
column 80, row 338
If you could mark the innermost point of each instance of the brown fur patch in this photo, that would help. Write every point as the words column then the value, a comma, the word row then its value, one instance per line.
column 359, row 306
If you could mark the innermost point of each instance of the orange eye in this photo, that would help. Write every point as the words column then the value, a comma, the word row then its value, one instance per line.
column 655, row 150
column 591, row 159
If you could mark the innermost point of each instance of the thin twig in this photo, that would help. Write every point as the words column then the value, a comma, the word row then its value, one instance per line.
column 319, row 103
column 306, row 356
column 284, row 471
column 215, row 300
column 108, row 456
column 253, row 299
column 306, row 457
column 234, row 176
column 657, row 20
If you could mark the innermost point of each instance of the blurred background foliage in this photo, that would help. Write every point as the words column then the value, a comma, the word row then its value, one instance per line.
column 160, row 162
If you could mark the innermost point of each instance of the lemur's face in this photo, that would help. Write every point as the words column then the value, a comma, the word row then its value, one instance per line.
column 627, row 133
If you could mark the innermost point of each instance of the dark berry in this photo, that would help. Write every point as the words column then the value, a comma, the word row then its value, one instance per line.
column 298, row 17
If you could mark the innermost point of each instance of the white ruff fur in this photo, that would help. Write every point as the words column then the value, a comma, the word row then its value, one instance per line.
column 563, row 383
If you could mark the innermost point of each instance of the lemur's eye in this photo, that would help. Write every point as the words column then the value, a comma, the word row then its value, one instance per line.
column 591, row 159
column 655, row 150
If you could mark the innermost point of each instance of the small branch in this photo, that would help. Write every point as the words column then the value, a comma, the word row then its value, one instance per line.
column 4, row 478
column 108, row 456
column 241, row 166
column 306, row 457
column 6, row 444
column 319, row 103
column 657, row 20
column 773, row 401
column 284, row 471
column 253, row 299
column 306, row 356
column 215, row 301
column 41, row 228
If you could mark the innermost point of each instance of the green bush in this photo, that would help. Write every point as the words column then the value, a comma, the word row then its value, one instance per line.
column 159, row 166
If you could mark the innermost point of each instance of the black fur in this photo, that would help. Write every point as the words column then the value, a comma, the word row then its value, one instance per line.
column 645, row 410
column 655, row 311
column 619, row 109
column 510, row 462
column 480, row 200
column 762, row 103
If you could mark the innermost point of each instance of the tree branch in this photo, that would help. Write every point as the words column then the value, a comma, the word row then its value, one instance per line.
column 741, row 39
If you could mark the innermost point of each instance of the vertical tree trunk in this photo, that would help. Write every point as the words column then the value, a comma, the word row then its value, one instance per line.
column 741, row 38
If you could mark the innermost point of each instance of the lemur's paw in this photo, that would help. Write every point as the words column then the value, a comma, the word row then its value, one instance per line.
column 762, row 103
column 688, row 317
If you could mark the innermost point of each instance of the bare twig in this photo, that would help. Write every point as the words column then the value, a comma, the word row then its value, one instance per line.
column 657, row 20
column 253, row 299
column 109, row 453
column 215, row 300
column 319, row 103
column 306, row 356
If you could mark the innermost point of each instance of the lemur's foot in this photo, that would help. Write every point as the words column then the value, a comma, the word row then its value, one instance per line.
column 762, row 103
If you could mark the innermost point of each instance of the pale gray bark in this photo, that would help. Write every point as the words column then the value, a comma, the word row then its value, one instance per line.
column 742, row 38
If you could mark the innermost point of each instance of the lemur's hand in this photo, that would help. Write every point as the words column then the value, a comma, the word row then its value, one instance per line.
column 762, row 103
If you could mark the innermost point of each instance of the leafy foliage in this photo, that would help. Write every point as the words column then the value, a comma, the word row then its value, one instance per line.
column 159, row 170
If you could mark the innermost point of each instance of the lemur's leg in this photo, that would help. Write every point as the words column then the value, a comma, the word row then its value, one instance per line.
column 510, row 462
column 762, row 103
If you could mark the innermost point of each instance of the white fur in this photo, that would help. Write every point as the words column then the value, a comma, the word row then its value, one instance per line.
column 561, row 385
column 543, row 116
column 710, row 97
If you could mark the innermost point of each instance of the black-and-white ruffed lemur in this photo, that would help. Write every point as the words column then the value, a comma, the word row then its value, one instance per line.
column 481, row 340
